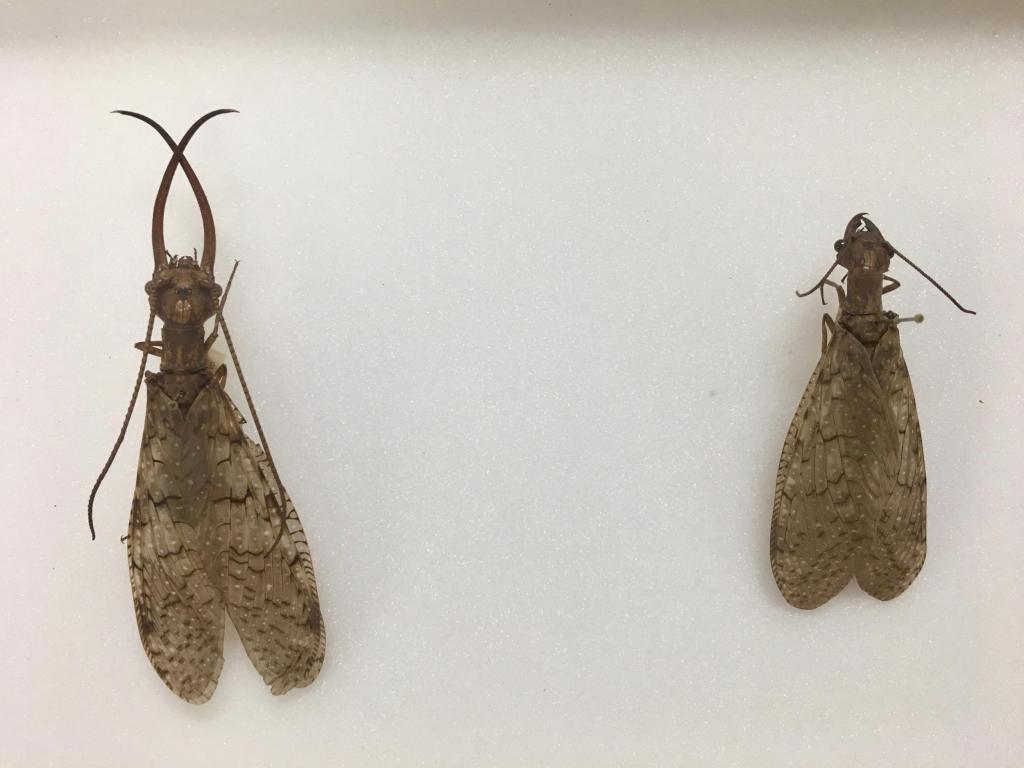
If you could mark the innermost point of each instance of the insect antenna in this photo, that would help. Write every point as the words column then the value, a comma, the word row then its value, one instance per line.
column 282, row 511
column 931, row 280
column 820, row 285
column 127, row 418
column 220, row 308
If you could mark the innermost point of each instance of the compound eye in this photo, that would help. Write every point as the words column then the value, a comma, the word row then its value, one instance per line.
column 839, row 245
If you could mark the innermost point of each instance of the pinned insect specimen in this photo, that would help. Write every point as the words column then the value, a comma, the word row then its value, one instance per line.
column 850, row 493
column 211, row 527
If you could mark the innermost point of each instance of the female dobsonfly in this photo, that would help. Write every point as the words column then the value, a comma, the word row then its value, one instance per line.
column 850, row 493
column 211, row 527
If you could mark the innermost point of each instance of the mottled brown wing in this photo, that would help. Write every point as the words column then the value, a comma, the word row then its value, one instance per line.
column 899, row 542
column 270, row 593
column 177, row 606
column 834, row 475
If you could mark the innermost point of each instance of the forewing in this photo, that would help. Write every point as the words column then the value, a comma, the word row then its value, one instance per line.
column 899, row 543
column 178, row 610
column 269, row 591
column 834, row 474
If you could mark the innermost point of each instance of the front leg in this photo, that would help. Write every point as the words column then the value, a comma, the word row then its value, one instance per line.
column 893, row 284
column 828, row 325
column 155, row 348
column 839, row 291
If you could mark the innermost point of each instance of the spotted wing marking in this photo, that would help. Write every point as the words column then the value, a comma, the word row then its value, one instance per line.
column 270, row 594
column 178, row 609
column 834, row 475
column 899, row 543
column 203, row 521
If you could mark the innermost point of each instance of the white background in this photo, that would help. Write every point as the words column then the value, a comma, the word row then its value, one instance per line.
column 517, row 306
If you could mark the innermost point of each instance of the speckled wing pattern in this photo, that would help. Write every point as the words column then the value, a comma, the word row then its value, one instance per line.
column 203, row 523
column 899, row 542
column 838, row 467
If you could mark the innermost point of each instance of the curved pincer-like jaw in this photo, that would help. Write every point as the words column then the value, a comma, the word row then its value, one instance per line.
column 863, row 249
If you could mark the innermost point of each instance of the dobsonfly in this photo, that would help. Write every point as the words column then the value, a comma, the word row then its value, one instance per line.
column 850, row 494
column 211, row 527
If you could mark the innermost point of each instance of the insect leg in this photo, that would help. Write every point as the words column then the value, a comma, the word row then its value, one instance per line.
column 828, row 325
column 893, row 284
column 820, row 283
column 155, row 348
column 839, row 291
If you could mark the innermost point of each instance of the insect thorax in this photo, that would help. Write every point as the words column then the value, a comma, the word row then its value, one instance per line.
column 867, row 328
column 183, row 388
column 864, row 292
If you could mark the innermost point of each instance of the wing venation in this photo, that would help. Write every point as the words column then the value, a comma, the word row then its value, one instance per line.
column 834, row 474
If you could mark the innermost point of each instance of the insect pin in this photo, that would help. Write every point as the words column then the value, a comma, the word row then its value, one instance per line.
column 850, row 495
column 212, row 529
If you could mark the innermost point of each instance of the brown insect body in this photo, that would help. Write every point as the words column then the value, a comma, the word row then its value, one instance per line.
column 211, row 528
column 850, row 498
column 184, row 296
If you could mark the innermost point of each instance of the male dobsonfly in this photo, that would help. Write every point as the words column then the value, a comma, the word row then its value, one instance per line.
column 212, row 529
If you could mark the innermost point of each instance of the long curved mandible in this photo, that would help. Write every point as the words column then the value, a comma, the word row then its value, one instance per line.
column 209, row 230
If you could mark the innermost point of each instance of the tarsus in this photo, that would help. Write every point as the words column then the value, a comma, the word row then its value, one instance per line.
column 820, row 284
